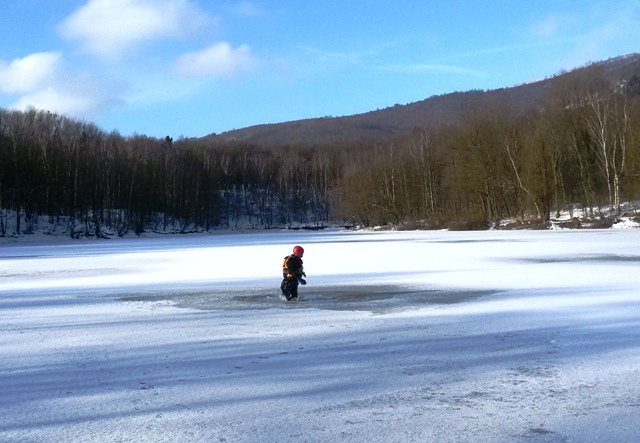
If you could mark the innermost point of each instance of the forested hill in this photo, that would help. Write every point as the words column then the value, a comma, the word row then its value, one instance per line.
column 432, row 112
column 520, row 155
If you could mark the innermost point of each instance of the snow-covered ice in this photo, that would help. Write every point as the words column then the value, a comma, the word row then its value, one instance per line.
column 528, row 336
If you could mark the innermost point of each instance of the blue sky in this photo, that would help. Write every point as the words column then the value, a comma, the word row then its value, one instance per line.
column 193, row 67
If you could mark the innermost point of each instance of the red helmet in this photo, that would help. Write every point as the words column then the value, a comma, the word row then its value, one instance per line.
column 298, row 250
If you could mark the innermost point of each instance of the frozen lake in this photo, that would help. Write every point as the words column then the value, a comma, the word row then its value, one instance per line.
column 401, row 336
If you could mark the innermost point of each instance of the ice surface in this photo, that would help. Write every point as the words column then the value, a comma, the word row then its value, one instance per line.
column 400, row 336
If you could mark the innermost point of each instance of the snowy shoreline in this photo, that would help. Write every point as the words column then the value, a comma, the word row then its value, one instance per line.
column 44, row 230
column 495, row 336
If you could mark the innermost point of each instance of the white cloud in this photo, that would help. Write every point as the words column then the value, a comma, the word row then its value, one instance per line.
column 218, row 60
column 28, row 73
column 79, row 97
column 56, row 100
column 39, row 80
column 110, row 27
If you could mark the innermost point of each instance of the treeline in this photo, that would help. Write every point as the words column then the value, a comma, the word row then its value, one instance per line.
column 96, row 182
column 580, row 149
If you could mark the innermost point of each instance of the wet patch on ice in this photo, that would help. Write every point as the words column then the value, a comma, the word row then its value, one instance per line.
column 376, row 299
column 598, row 258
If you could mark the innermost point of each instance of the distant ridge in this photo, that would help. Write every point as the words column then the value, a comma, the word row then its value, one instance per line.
column 431, row 112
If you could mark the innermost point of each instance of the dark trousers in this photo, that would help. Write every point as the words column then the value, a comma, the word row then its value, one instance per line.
column 289, row 287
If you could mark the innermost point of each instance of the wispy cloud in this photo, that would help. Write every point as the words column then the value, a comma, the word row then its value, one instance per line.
column 553, row 25
column 249, row 9
column 215, row 61
column 592, row 33
column 431, row 68
column 325, row 55
column 109, row 28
